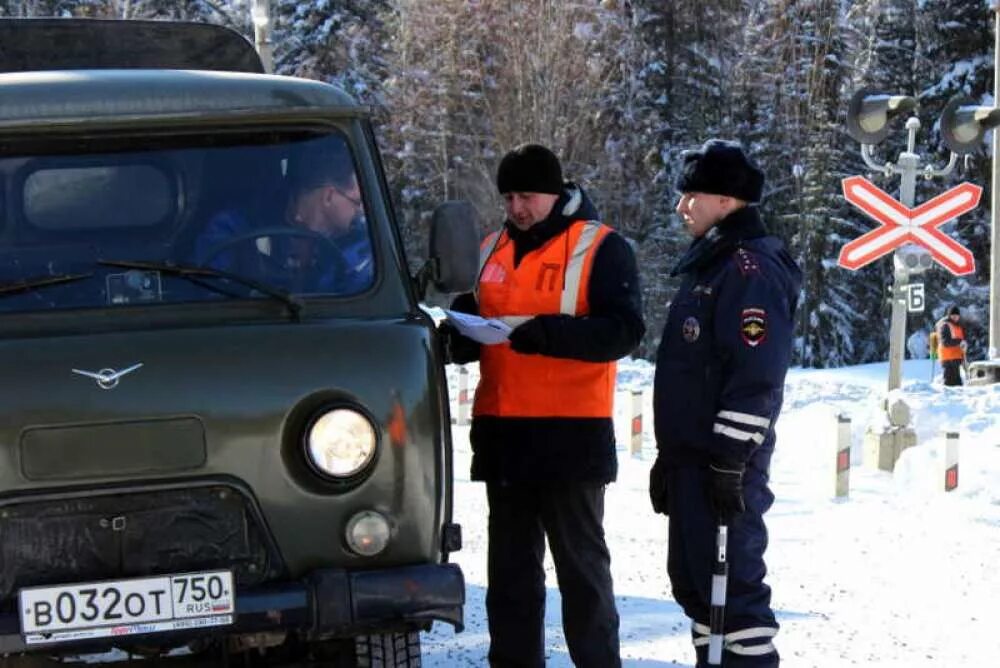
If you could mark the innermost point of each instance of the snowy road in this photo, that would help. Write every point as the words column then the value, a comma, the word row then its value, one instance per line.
column 898, row 575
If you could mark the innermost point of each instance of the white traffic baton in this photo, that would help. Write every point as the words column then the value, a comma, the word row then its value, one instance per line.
column 717, row 614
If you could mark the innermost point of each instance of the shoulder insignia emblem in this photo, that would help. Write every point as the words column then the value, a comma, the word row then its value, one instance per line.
column 746, row 262
column 753, row 326
column 691, row 329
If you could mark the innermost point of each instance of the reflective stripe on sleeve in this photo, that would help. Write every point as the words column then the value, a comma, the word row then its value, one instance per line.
column 574, row 268
column 745, row 418
column 738, row 434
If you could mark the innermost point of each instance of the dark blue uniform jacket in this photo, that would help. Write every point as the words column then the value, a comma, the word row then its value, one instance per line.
column 726, row 346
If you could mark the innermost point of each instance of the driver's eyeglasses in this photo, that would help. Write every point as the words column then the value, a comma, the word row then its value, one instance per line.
column 356, row 201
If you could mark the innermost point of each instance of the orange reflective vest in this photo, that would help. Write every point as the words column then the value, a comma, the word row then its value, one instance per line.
column 951, row 353
column 549, row 280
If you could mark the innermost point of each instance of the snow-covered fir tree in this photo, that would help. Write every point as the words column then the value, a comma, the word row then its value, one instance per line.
column 337, row 41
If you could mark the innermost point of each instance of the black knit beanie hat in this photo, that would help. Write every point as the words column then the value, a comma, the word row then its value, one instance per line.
column 721, row 168
column 530, row 168
column 954, row 310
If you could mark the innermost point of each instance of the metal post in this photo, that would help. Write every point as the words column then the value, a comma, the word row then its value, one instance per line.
column 260, row 12
column 994, row 345
column 907, row 167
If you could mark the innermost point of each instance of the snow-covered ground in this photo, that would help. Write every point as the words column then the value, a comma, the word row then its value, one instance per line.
column 899, row 575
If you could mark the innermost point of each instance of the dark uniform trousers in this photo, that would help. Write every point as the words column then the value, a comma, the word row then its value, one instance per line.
column 952, row 373
column 571, row 515
column 750, row 624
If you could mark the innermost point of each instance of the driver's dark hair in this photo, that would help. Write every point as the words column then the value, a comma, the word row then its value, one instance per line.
column 320, row 161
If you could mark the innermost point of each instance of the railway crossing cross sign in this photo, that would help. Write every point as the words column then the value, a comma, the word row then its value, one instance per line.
column 899, row 224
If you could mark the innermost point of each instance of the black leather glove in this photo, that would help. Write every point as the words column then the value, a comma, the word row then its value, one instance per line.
column 530, row 337
column 658, row 486
column 725, row 488
column 458, row 349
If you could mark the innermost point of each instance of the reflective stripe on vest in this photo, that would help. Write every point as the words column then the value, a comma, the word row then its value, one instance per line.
column 574, row 268
column 549, row 280
column 485, row 251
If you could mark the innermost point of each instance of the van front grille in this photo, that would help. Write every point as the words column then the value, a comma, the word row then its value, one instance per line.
column 132, row 534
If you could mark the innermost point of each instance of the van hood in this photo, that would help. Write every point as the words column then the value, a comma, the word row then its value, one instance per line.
column 155, row 402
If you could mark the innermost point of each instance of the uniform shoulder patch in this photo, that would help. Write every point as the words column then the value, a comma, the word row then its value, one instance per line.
column 753, row 326
column 746, row 262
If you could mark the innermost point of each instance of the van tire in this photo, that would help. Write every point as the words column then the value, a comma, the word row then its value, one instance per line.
column 388, row 650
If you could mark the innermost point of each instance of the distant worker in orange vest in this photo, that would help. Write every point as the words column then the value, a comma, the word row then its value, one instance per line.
column 542, row 434
column 951, row 346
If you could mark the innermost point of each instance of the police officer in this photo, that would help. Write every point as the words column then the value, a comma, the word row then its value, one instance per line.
column 951, row 345
column 720, row 371
column 542, row 433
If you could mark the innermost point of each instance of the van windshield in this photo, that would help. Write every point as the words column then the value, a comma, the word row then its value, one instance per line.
column 96, row 224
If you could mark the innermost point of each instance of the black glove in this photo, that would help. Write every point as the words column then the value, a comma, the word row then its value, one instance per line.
column 530, row 337
column 658, row 486
column 458, row 349
column 725, row 488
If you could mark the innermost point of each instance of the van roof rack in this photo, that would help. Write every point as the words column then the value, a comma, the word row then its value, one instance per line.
column 35, row 44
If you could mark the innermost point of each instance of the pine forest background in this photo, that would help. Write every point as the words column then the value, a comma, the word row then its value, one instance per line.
column 619, row 88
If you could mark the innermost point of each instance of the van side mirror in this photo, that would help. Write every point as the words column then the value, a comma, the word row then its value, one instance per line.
column 453, row 261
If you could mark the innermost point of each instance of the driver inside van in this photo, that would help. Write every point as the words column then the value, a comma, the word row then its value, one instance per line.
column 327, row 235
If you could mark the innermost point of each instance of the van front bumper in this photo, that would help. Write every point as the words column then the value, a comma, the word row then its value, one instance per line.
column 326, row 603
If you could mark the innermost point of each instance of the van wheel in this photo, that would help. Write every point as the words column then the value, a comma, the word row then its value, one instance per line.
column 388, row 650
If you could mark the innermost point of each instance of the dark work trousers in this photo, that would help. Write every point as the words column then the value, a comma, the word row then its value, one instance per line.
column 749, row 621
column 571, row 515
column 952, row 372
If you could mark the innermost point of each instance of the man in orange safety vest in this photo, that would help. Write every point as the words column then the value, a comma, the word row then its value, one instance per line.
column 951, row 346
column 542, row 432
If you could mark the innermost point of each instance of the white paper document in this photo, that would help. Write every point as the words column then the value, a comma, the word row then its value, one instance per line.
column 489, row 331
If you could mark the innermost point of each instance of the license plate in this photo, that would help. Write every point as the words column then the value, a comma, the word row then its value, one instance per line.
column 126, row 607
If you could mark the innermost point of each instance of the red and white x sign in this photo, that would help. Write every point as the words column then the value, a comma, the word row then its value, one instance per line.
column 900, row 224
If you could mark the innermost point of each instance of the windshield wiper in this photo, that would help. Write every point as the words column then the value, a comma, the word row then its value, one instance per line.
column 195, row 274
column 39, row 282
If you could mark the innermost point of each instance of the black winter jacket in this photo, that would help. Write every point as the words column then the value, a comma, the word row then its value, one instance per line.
column 551, row 450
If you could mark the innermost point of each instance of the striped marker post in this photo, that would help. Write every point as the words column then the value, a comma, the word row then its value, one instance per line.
column 635, row 445
column 950, row 460
column 843, row 475
column 463, row 396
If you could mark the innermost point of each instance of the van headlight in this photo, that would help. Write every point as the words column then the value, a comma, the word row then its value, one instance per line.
column 367, row 533
column 340, row 443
